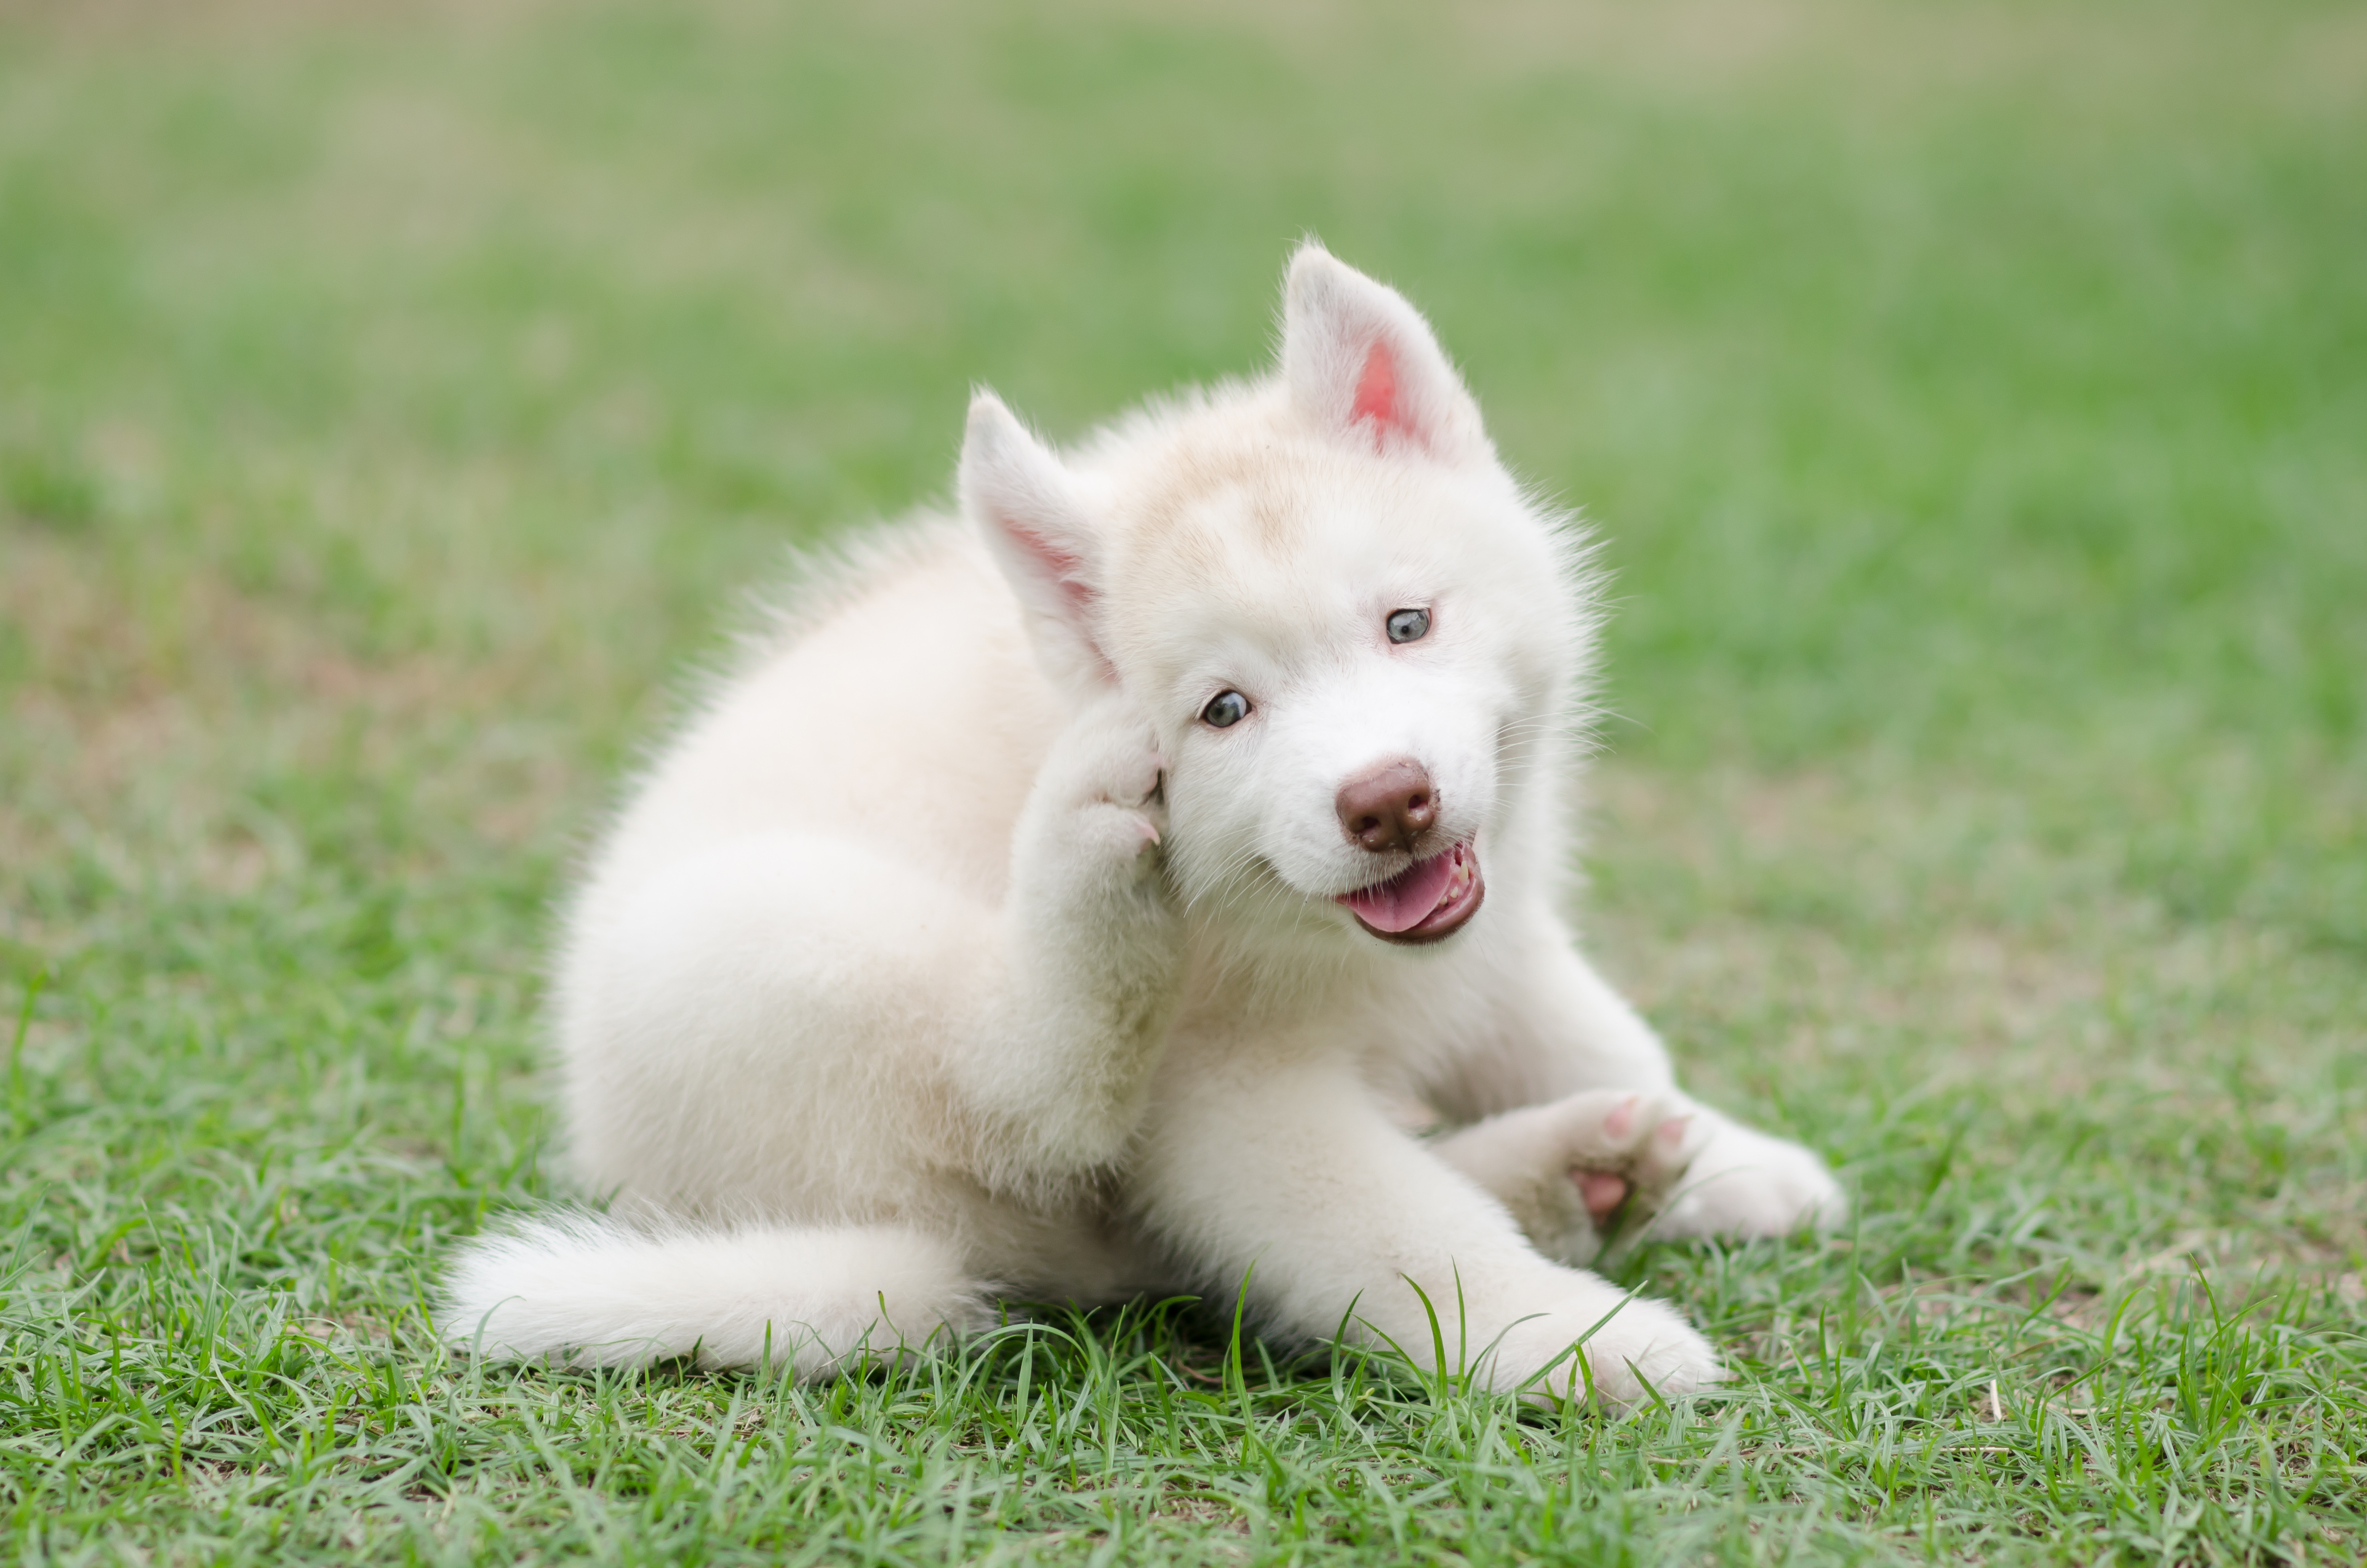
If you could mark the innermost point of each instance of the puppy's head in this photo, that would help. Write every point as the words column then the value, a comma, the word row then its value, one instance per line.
column 1356, row 636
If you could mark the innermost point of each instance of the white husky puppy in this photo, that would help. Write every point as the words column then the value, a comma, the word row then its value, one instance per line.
column 1064, row 902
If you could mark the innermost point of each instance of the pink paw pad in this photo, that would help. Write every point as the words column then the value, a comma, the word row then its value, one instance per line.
column 1600, row 1191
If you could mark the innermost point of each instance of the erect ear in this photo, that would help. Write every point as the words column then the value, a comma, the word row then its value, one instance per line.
column 1041, row 535
column 1362, row 365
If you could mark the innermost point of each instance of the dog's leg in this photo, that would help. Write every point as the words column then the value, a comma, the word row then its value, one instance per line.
column 1090, row 951
column 792, row 1022
column 1562, row 1031
column 1555, row 1026
column 1290, row 1176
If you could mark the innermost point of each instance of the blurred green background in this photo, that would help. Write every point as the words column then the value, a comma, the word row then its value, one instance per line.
column 1977, row 388
column 397, row 401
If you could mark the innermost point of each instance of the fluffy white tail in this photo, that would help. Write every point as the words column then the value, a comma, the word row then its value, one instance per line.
column 588, row 1291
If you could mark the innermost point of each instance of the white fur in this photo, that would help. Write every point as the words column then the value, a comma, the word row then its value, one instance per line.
column 949, row 953
column 813, row 1297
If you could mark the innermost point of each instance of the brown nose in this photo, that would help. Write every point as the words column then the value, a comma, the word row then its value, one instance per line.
column 1388, row 807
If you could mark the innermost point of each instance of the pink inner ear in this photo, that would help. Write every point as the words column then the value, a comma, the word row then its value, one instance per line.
column 1067, row 573
column 1376, row 392
column 1066, row 570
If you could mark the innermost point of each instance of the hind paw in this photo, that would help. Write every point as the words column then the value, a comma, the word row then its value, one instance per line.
column 1744, row 1184
column 1099, row 803
column 1580, row 1169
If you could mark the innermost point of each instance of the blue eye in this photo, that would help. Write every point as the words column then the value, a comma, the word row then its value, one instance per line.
column 1408, row 625
column 1225, row 709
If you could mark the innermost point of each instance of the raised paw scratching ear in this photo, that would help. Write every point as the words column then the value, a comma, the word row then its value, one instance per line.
column 1042, row 536
column 1363, row 367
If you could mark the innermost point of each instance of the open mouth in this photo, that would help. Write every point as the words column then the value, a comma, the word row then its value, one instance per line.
column 1427, row 902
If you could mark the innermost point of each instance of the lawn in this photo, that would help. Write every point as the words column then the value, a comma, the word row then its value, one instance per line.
column 401, row 402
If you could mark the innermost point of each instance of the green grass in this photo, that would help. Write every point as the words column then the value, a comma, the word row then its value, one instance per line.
column 394, row 404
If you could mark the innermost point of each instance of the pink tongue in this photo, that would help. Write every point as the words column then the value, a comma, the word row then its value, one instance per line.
column 1405, row 900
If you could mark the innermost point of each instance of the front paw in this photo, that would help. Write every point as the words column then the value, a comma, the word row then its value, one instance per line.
column 1632, row 1348
column 1744, row 1184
